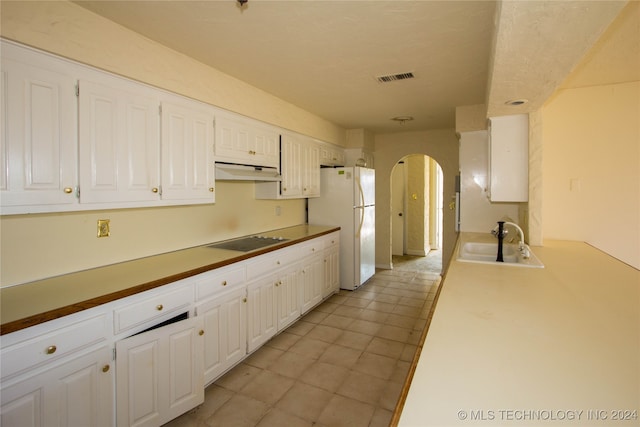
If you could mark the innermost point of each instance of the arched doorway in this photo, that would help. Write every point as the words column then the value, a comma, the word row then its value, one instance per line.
column 416, row 213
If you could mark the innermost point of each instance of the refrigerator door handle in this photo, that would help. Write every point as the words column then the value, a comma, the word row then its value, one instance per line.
column 361, row 221
column 360, row 193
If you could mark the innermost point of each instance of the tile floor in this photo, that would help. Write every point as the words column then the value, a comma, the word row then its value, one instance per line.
column 342, row 364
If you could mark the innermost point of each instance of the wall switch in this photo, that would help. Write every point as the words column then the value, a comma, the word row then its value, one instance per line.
column 103, row 228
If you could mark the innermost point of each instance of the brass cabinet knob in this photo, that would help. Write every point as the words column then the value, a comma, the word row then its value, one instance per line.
column 154, row 190
column 68, row 190
column 211, row 189
column 159, row 307
column 106, row 368
column 201, row 333
column 244, row 299
column 224, row 283
column 51, row 349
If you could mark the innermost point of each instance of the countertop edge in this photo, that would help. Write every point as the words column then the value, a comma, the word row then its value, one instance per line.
column 26, row 322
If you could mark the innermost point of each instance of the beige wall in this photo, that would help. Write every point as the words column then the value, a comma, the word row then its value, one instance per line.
column 442, row 146
column 38, row 246
column 591, row 168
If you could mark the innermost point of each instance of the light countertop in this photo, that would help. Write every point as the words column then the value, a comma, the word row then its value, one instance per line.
column 532, row 347
column 36, row 302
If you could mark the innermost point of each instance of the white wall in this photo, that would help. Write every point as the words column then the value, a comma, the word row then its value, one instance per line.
column 591, row 168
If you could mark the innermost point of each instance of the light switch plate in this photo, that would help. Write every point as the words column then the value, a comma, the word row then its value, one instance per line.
column 103, row 228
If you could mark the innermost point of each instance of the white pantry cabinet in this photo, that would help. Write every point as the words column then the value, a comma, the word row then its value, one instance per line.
column 38, row 132
column 331, row 283
column 188, row 173
column 119, row 141
column 509, row 158
column 245, row 141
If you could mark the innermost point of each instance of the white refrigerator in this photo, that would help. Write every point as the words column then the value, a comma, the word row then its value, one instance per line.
column 347, row 200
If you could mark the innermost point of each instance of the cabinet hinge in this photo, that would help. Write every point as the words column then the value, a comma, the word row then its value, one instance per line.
column 77, row 90
column 160, row 109
column 114, row 353
column 78, row 192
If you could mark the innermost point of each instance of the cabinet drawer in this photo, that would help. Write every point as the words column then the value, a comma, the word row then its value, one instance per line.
column 53, row 345
column 332, row 241
column 151, row 308
column 313, row 247
column 259, row 266
column 220, row 280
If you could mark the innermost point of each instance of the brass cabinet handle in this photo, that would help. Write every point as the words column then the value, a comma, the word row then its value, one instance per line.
column 106, row 368
column 224, row 283
column 68, row 190
column 51, row 349
column 252, row 152
column 154, row 190
column 201, row 333
column 159, row 307
column 244, row 299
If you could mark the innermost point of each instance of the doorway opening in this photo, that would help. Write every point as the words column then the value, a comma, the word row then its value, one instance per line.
column 416, row 214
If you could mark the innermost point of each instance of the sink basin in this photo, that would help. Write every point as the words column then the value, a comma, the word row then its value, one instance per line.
column 486, row 253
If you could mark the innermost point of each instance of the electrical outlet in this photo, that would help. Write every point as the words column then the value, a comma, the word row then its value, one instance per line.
column 103, row 228
column 278, row 211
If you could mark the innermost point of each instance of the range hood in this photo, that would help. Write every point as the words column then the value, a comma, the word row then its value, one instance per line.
column 236, row 172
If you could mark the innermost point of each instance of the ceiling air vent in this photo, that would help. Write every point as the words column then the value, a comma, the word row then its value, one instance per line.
column 393, row 77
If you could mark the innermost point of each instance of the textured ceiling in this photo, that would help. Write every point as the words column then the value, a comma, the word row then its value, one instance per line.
column 324, row 56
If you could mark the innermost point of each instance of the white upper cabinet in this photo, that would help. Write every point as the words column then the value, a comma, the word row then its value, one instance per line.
column 38, row 135
column 188, row 173
column 509, row 158
column 245, row 141
column 310, row 169
column 120, row 141
column 331, row 155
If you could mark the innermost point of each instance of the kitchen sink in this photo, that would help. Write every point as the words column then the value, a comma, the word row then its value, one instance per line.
column 247, row 244
column 486, row 253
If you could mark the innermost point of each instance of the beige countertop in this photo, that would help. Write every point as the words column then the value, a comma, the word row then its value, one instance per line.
column 36, row 302
column 513, row 346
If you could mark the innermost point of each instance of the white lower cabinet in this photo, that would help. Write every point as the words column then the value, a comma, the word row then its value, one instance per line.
column 225, row 332
column 331, row 283
column 159, row 373
column 262, row 320
column 288, row 296
column 77, row 391
column 311, row 279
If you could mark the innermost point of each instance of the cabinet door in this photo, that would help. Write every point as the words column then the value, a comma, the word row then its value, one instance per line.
column 262, row 321
column 187, row 152
column 38, row 138
column 311, row 170
column 78, row 392
column 291, row 152
column 119, row 142
column 331, row 283
column 288, row 296
column 312, row 279
column 225, row 333
column 509, row 158
column 159, row 374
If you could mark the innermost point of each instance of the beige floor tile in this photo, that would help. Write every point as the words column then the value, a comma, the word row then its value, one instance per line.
column 390, row 395
column 324, row 333
column 374, row 316
column 408, row 352
column 381, row 418
column 304, row 401
column 325, row 376
column 345, row 412
column 412, row 302
column 337, row 299
column 263, row 357
column 239, row 411
column 376, row 365
column 354, row 340
column 291, row 364
column 310, row 347
column 348, row 311
column 401, row 321
column 214, row 397
column 406, row 310
column 394, row 333
column 385, row 347
column 301, row 327
column 384, row 307
column 327, row 307
column 364, row 327
column 238, row 377
column 278, row 418
column 363, row 388
column 340, row 356
column 356, row 302
column 337, row 321
column 283, row 341
column 267, row 387
column 400, row 372
column 314, row 316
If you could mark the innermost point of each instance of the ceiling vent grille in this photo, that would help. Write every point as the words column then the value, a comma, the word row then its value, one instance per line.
column 394, row 77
